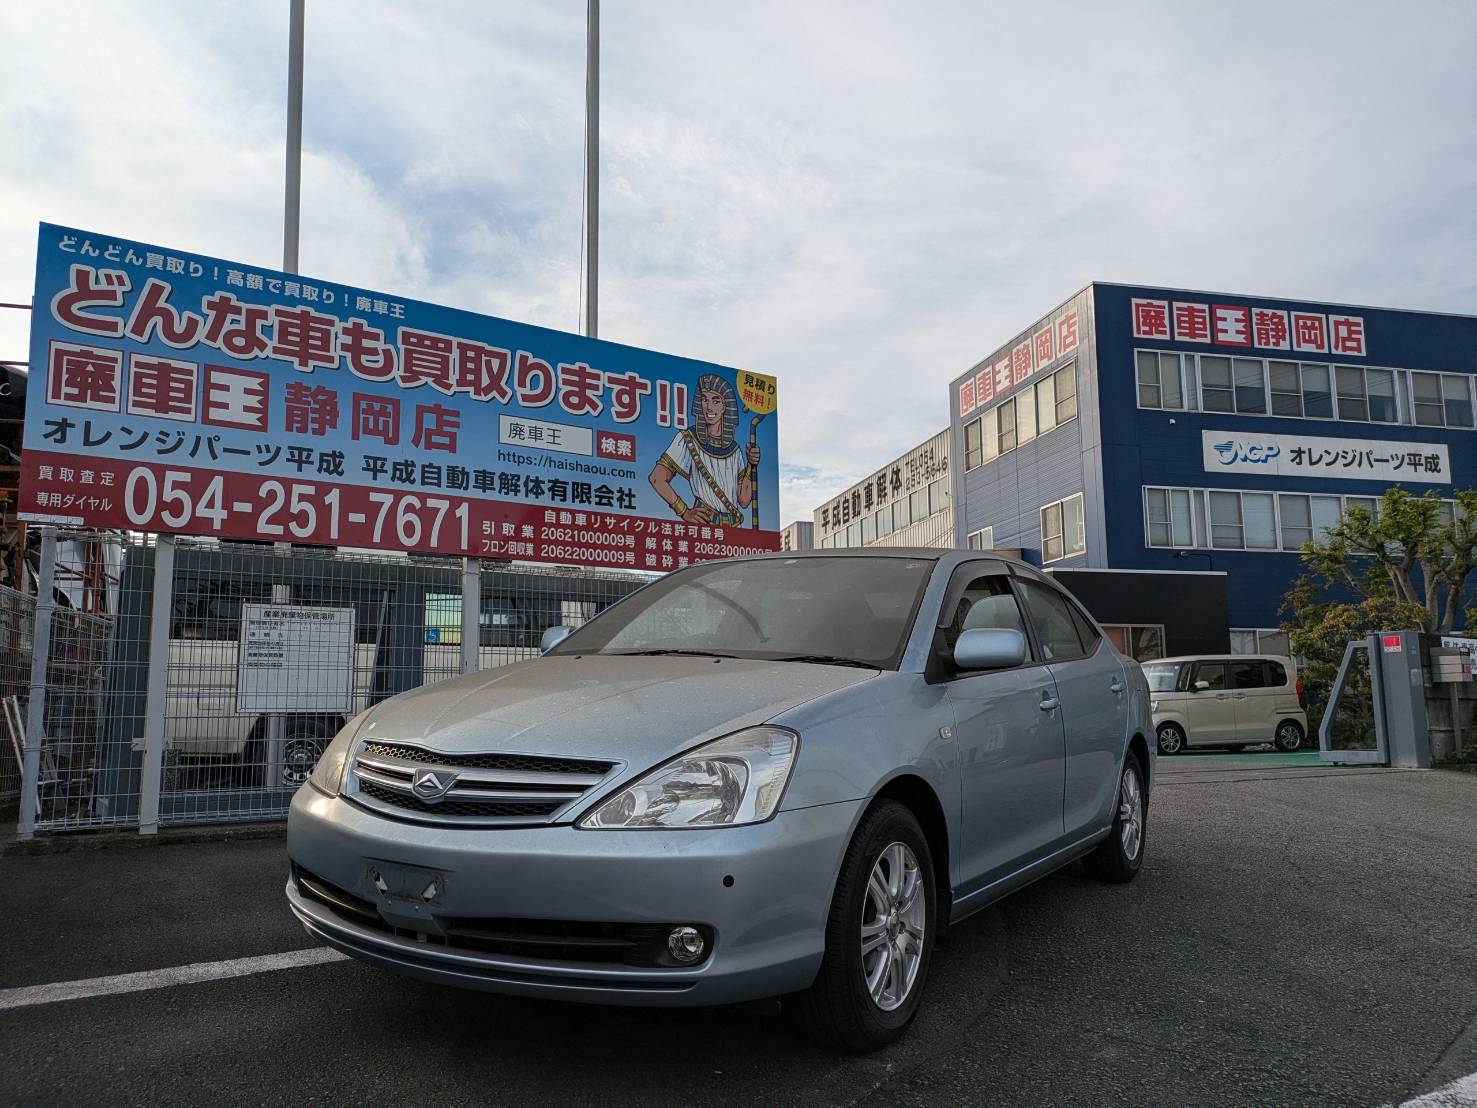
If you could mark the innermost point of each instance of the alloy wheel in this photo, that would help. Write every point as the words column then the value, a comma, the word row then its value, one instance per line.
column 894, row 921
column 1131, row 814
column 1289, row 738
column 1170, row 740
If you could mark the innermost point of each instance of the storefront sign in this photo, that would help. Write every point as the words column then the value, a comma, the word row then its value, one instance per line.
column 1049, row 340
column 1467, row 648
column 1240, row 326
column 916, row 470
column 1309, row 456
column 295, row 659
column 181, row 393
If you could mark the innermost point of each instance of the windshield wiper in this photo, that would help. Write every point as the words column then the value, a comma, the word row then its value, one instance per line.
column 664, row 650
column 827, row 660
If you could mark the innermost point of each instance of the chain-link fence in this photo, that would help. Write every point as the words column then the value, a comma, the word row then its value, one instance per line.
column 268, row 651
column 17, row 617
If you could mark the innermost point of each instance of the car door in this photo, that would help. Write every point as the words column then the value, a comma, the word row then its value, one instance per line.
column 1254, row 702
column 1209, row 707
column 1009, row 737
column 1093, row 691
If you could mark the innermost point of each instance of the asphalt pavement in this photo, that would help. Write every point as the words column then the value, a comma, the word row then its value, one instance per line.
column 1298, row 935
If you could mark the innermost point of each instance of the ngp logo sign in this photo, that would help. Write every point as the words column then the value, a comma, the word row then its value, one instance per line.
column 1237, row 325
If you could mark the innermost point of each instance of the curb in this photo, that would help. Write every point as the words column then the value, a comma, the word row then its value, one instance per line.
column 132, row 840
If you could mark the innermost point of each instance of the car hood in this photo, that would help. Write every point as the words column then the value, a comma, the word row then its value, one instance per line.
column 635, row 710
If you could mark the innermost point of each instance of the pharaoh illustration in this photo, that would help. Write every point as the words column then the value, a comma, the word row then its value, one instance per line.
column 720, row 472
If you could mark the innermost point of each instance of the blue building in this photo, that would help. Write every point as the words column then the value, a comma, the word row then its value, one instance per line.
column 1150, row 431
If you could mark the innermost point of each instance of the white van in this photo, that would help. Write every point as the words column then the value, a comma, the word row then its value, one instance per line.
column 1230, row 701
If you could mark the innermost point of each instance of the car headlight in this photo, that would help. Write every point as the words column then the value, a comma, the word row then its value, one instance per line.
column 731, row 781
column 328, row 774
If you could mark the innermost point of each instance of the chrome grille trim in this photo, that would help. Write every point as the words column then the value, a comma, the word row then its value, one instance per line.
column 489, row 790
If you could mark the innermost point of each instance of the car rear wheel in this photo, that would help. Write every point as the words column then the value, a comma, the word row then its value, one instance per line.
column 1289, row 736
column 1118, row 857
column 1171, row 739
column 879, row 936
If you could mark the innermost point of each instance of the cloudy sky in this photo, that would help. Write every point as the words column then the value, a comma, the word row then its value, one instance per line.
column 861, row 198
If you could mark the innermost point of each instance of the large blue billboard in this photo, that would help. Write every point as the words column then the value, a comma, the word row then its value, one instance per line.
column 180, row 393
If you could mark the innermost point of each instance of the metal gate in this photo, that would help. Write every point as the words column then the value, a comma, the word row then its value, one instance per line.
column 139, row 714
column 1376, row 712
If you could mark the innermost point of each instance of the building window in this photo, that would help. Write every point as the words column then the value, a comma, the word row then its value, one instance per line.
column 1380, row 385
column 1217, row 393
column 1287, row 397
column 1066, row 394
column 1441, row 399
column 938, row 496
column 1062, row 532
column 854, row 535
column 1168, row 513
column 869, row 530
column 918, row 504
column 1046, row 404
column 1260, row 640
column 1159, row 380
column 974, row 454
column 1006, row 413
column 1141, row 642
column 1353, row 403
column 983, row 539
column 1025, row 417
column 1248, row 520
column 991, row 434
column 884, row 522
column 1317, row 392
column 1251, row 387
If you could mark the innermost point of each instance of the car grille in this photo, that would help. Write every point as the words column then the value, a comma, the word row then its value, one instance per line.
column 471, row 790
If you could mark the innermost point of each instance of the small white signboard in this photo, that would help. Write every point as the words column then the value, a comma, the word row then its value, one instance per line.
column 1466, row 647
column 295, row 659
column 1313, row 456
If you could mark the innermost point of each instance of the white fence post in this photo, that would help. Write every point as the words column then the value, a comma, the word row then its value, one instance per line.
column 151, row 775
column 471, row 613
column 36, row 700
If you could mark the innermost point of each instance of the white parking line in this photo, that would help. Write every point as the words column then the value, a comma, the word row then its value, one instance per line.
column 30, row 995
column 1461, row 1093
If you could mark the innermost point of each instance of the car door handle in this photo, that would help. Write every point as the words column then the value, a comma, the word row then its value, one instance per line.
column 1222, row 696
column 1116, row 687
column 1049, row 703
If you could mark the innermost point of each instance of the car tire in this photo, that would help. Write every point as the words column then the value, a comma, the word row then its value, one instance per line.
column 854, row 1002
column 1118, row 857
column 1171, row 739
column 1289, row 737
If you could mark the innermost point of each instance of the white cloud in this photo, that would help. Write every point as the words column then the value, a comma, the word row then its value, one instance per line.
column 860, row 198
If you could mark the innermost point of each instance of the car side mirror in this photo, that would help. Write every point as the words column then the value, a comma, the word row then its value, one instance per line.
column 553, row 637
column 1201, row 686
column 990, row 648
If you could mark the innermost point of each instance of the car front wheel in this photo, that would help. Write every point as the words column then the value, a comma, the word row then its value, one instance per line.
column 1171, row 739
column 879, row 936
column 1289, row 737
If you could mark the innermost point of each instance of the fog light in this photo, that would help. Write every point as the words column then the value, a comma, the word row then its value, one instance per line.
column 685, row 944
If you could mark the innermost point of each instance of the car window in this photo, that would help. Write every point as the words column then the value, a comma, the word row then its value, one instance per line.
column 1055, row 627
column 1276, row 674
column 1248, row 675
column 985, row 602
column 857, row 608
column 1214, row 673
column 1163, row 676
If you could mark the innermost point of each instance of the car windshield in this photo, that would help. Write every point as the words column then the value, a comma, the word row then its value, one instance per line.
column 1163, row 676
column 847, row 610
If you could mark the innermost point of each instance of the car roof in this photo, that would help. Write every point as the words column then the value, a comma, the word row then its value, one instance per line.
column 949, row 557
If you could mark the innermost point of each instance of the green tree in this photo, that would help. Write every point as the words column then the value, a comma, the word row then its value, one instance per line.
column 1402, row 566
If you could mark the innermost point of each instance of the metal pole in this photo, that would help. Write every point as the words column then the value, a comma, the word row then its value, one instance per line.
column 161, row 603
column 471, row 613
column 292, row 204
column 291, row 216
column 592, row 170
column 36, row 701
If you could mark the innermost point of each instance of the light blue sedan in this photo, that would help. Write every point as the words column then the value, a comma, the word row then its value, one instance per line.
column 770, row 776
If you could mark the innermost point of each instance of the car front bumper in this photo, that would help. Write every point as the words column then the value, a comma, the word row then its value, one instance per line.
column 767, row 923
